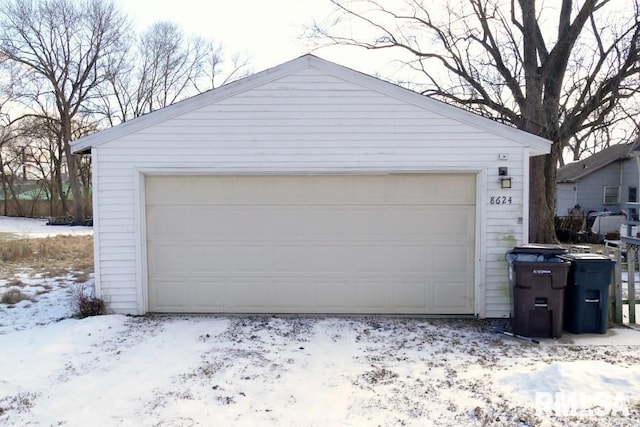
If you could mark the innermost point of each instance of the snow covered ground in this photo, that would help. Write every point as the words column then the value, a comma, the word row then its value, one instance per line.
column 37, row 227
column 291, row 371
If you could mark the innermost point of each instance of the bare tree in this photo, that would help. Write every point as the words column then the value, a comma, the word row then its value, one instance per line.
column 165, row 66
column 59, row 50
column 68, row 66
column 6, row 160
column 561, row 71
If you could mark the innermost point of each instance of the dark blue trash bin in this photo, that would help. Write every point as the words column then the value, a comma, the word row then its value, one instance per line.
column 586, row 301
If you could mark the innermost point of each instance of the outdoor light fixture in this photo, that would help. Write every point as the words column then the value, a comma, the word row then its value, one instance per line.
column 503, row 176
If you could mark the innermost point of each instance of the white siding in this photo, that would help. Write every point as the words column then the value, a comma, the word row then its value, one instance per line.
column 308, row 121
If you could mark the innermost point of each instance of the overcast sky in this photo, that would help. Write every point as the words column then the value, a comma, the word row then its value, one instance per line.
column 268, row 31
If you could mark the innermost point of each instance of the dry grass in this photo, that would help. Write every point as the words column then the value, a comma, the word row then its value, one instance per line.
column 15, row 282
column 46, row 289
column 14, row 296
column 55, row 255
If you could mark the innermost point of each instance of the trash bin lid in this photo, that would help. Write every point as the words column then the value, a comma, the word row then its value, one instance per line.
column 576, row 257
column 540, row 249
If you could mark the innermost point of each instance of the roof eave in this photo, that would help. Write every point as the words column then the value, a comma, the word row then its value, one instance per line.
column 538, row 145
column 85, row 144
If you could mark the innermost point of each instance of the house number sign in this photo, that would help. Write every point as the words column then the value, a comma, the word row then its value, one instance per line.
column 500, row 200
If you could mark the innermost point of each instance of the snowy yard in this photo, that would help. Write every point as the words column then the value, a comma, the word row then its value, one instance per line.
column 34, row 227
column 291, row 371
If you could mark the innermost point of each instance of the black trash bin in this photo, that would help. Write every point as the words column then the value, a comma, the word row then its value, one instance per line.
column 586, row 300
column 537, row 278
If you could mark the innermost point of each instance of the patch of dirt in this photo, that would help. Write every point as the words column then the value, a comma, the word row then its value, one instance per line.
column 19, row 403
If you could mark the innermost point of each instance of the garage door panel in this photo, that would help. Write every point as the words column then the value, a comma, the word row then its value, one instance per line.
column 222, row 259
column 290, row 223
column 186, row 222
column 257, row 295
column 435, row 189
column 451, row 296
column 169, row 295
column 323, row 244
column 207, row 297
column 376, row 190
column 334, row 296
column 205, row 223
column 198, row 190
column 462, row 216
column 251, row 294
column 373, row 296
column 212, row 259
column 413, row 297
column 168, row 259
column 250, row 190
column 330, row 222
column 290, row 296
column 340, row 258
column 417, row 223
column 380, row 259
column 161, row 221
column 288, row 191
column 412, row 259
column 164, row 191
column 451, row 189
column 331, row 190
column 453, row 260
column 290, row 258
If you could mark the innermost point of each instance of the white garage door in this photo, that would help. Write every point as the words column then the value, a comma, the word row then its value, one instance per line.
column 401, row 243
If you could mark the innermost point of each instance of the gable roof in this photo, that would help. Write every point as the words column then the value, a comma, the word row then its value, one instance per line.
column 578, row 170
column 537, row 144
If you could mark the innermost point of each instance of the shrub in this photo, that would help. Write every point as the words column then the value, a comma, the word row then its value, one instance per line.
column 87, row 304
column 14, row 296
column 91, row 306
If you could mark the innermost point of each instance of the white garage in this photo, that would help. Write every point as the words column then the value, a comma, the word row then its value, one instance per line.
column 308, row 188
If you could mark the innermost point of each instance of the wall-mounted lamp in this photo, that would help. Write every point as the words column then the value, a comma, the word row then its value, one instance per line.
column 503, row 176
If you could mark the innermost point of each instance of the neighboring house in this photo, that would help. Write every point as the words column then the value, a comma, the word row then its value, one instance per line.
column 605, row 181
column 309, row 188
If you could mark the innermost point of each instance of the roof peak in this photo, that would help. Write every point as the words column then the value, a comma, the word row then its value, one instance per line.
column 536, row 144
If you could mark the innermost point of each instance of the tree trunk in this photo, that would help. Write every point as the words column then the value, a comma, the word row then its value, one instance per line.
column 74, row 184
column 14, row 197
column 3, row 177
column 541, row 218
column 541, row 179
column 71, row 164
column 58, row 180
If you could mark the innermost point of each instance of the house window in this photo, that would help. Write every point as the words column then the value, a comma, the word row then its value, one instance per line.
column 611, row 195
